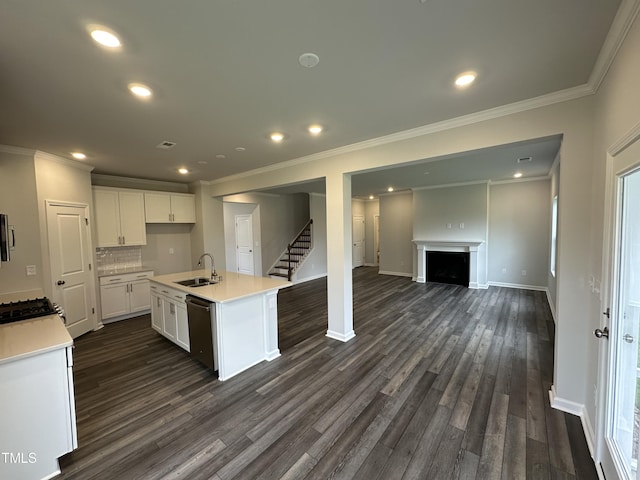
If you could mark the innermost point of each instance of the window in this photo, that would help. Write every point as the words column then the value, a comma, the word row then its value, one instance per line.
column 554, row 234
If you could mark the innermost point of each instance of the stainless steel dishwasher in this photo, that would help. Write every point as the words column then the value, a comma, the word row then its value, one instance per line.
column 202, row 330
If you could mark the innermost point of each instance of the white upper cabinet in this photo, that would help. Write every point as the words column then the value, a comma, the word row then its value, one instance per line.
column 162, row 207
column 119, row 216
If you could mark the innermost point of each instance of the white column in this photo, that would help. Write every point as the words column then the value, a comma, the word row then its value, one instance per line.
column 270, row 314
column 339, row 258
column 422, row 264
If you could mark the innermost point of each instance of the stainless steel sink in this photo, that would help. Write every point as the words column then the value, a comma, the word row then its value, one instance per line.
column 196, row 282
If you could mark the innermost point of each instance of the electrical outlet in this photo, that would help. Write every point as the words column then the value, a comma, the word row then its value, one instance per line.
column 31, row 270
column 449, row 226
column 461, row 225
column 504, row 270
column 524, row 273
column 171, row 251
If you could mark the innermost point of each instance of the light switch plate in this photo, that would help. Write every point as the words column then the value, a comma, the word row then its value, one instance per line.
column 31, row 270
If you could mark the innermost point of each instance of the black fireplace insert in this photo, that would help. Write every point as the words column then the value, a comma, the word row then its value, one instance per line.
column 448, row 267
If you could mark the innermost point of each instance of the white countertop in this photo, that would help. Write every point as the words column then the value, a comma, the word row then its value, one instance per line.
column 122, row 270
column 26, row 338
column 233, row 286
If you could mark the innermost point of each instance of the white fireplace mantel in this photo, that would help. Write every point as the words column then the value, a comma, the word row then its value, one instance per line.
column 470, row 246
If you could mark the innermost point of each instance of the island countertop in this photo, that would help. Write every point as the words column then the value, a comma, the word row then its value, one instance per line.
column 233, row 286
column 32, row 337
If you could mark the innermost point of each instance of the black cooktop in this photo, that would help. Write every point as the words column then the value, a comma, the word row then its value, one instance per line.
column 23, row 310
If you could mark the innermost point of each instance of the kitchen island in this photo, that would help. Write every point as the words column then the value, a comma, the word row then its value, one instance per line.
column 244, row 316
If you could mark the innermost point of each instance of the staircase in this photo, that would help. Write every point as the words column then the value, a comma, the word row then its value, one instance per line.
column 295, row 253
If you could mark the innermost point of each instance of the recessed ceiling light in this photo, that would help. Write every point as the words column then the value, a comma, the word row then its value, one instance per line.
column 315, row 129
column 183, row 171
column 104, row 37
column 465, row 79
column 277, row 136
column 140, row 90
column 390, row 189
column 240, row 149
column 220, row 155
column 308, row 60
column 78, row 155
column 517, row 175
column 202, row 162
column 371, row 197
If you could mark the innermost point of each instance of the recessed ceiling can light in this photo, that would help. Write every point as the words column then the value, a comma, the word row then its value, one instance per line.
column 104, row 37
column 371, row 197
column 315, row 129
column 277, row 136
column 221, row 155
column 465, row 79
column 390, row 189
column 308, row 60
column 517, row 175
column 140, row 90
column 183, row 171
column 78, row 155
column 202, row 162
column 240, row 149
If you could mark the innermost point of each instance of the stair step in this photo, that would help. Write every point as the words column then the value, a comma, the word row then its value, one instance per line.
column 293, row 260
column 276, row 274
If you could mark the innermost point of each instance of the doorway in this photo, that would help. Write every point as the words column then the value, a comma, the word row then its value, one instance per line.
column 618, row 433
column 244, row 244
column 358, row 240
column 70, row 262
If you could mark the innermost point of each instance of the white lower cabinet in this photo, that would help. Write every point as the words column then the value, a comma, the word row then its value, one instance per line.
column 169, row 314
column 124, row 296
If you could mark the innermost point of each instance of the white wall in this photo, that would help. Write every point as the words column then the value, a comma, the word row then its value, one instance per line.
column 552, row 284
column 519, row 220
column 396, row 233
column 207, row 235
column 18, row 200
column 315, row 265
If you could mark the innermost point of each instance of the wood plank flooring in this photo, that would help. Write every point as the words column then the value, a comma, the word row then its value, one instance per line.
column 440, row 382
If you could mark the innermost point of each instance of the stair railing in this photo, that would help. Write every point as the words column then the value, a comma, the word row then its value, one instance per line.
column 290, row 246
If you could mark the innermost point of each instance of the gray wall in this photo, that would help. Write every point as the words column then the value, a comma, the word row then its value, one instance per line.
column 519, row 233
column 551, row 278
column 161, row 239
column 396, row 233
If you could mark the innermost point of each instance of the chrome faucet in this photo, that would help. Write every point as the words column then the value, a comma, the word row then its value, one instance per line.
column 214, row 274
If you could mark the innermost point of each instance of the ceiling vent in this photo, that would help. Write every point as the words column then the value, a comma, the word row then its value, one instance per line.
column 166, row 145
column 525, row 159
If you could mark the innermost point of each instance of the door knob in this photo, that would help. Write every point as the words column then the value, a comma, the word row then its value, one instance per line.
column 604, row 333
column 60, row 282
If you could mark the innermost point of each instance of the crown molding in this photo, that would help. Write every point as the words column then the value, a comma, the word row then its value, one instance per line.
column 102, row 180
column 40, row 155
column 520, row 180
column 465, row 120
column 625, row 141
column 449, row 185
column 17, row 150
column 622, row 22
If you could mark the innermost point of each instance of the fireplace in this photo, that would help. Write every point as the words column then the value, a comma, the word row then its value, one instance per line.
column 448, row 267
column 475, row 259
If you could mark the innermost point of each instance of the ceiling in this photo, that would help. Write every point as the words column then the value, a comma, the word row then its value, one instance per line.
column 225, row 74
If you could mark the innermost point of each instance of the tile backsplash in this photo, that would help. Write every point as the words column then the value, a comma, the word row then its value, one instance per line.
column 118, row 257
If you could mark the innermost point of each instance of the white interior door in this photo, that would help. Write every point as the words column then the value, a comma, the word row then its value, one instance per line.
column 244, row 244
column 376, row 246
column 620, row 433
column 70, row 258
column 358, row 240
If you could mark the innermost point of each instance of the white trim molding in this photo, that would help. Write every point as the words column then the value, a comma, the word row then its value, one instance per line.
column 577, row 409
column 470, row 246
column 341, row 337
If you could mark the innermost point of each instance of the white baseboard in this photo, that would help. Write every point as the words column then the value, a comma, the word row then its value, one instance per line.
column 308, row 279
column 397, row 274
column 370, row 264
column 517, row 285
column 343, row 337
column 552, row 307
column 578, row 409
column 272, row 355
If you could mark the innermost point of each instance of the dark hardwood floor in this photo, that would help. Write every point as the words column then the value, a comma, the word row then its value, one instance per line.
column 440, row 382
